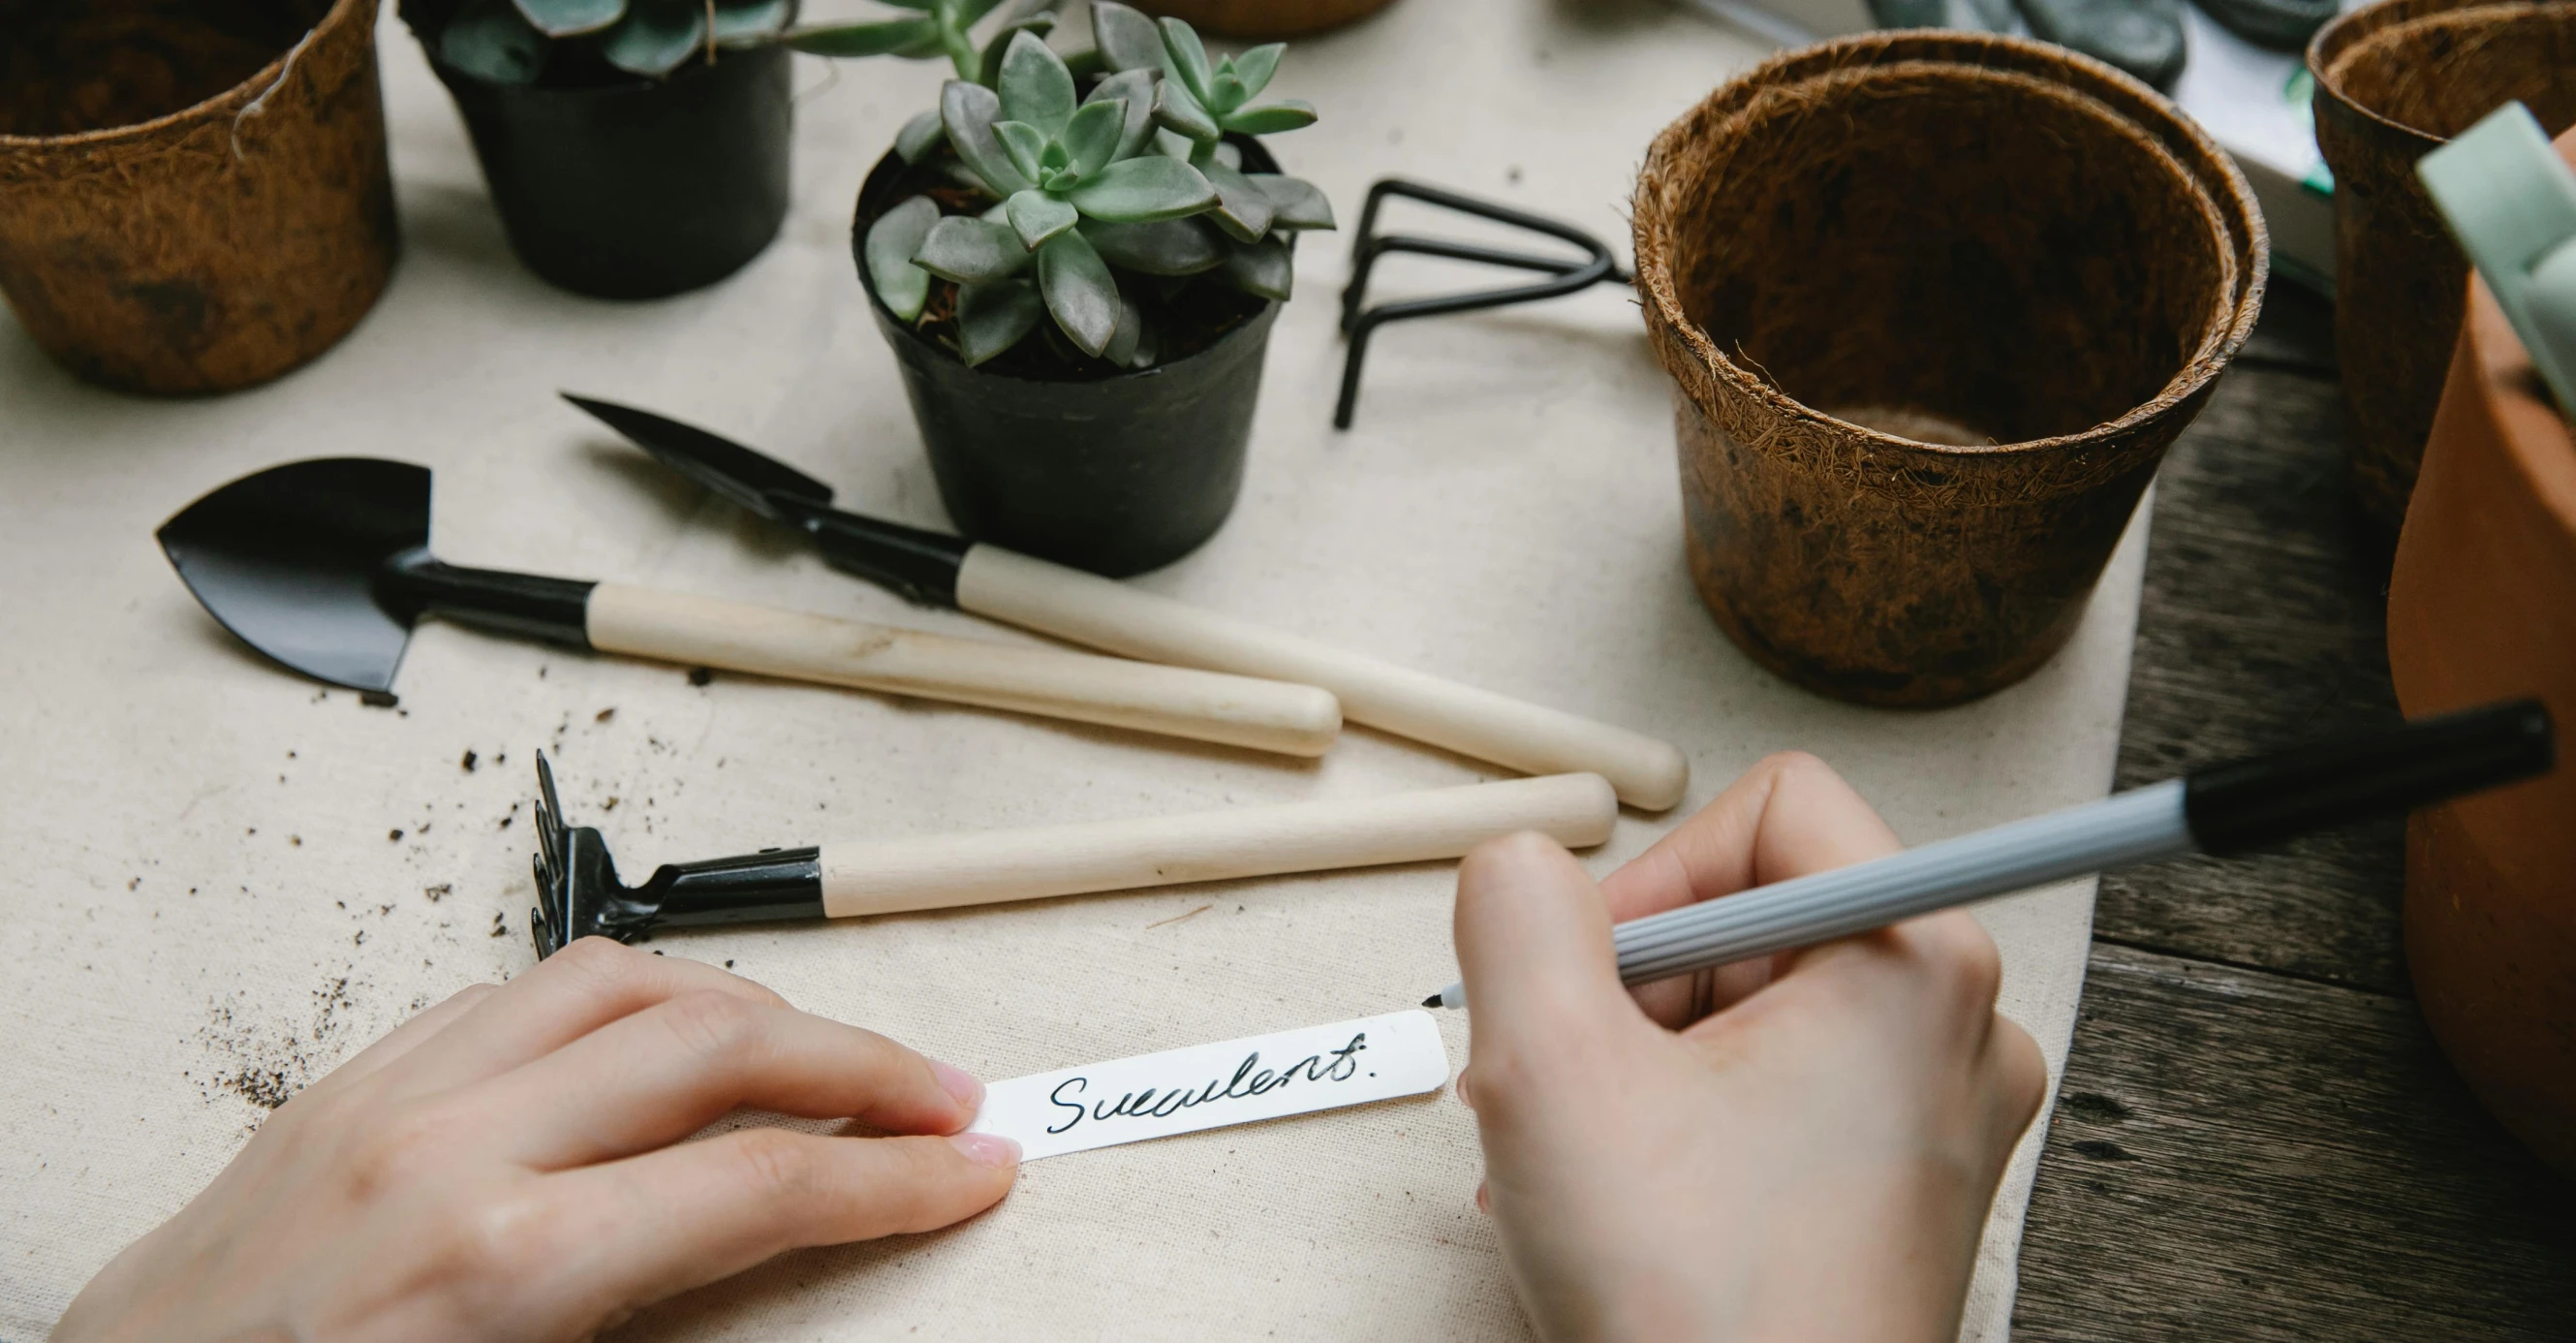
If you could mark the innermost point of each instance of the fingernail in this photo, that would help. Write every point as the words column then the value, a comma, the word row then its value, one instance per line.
column 959, row 1083
column 987, row 1149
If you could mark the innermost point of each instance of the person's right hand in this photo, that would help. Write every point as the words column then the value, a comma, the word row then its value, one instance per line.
column 1799, row 1148
column 501, row 1166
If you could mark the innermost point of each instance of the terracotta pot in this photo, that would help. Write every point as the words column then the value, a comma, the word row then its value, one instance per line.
column 1935, row 303
column 1264, row 20
column 2482, row 607
column 200, row 201
column 2393, row 81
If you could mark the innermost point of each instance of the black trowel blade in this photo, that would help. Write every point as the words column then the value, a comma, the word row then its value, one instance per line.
column 287, row 560
column 718, row 463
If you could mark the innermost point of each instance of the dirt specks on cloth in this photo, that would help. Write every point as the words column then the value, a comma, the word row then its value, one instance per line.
column 265, row 1062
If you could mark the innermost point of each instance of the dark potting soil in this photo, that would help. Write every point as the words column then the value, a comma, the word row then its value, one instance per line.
column 1186, row 314
column 68, row 66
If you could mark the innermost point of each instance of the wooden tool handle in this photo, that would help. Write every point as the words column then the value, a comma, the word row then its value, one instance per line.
column 1088, row 609
column 890, row 876
column 1174, row 701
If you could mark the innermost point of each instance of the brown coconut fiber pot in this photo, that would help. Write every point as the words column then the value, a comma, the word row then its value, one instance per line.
column 1934, row 304
column 2392, row 82
column 194, row 195
column 2482, row 607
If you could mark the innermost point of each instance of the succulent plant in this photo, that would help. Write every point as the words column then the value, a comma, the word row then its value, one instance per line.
column 1089, row 201
column 510, row 41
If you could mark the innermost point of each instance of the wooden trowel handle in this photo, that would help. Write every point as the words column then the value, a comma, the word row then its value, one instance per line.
column 796, row 646
column 892, row 876
column 1088, row 609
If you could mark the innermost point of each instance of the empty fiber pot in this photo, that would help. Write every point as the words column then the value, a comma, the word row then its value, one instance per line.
column 194, row 196
column 1934, row 305
column 2393, row 82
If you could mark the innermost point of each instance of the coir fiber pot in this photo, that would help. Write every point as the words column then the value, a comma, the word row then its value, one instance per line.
column 1265, row 20
column 1116, row 474
column 641, row 188
column 1935, row 304
column 193, row 193
column 2482, row 607
column 2392, row 82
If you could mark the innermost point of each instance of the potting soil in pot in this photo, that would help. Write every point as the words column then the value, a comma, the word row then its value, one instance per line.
column 100, row 64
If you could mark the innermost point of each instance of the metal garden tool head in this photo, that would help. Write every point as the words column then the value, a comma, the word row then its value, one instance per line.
column 579, row 895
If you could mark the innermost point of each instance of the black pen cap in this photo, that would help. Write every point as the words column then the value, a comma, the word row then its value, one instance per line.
column 2255, row 802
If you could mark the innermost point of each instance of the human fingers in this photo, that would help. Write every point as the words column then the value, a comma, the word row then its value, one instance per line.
column 405, row 1038
column 1534, row 949
column 566, row 996
column 661, row 1074
column 632, row 1232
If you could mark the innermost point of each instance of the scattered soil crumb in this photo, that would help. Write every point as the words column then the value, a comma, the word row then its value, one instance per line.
column 701, row 675
column 609, row 805
column 134, row 884
column 296, row 840
column 393, row 836
column 439, row 892
column 467, row 763
column 266, row 1063
column 604, row 715
column 500, row 926
column 728, row 965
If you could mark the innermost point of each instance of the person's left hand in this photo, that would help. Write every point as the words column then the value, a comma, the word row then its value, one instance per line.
column 502, row 1166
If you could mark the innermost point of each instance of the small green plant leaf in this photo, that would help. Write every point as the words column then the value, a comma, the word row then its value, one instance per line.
column 967, row 112
column 1079, row 291
column 1228, row 153
column 570, row 18
column 1255, row 67
column 994, row 317
column 1270, row 118
column 1037, row 216
column 1264, row 268
column 656, row 37
column 1035, row 86
column 1164, row 247
column 919, row 136
column 898, row 233
column 1135, row 88
column 1121, row 349
column 1180, row 113
column 971, row 251
column 744, row 23
column 1000, row 45
column 1126, row 38
column 1139, row 190
column 1243, row 210
column 881, row 38
column 1295, row 203
column 1091, row 139
column 1226, row 92
column 1026, row 145
column 1173, row 146
column 490, row 40
column 1184, row 59
column 972, row 12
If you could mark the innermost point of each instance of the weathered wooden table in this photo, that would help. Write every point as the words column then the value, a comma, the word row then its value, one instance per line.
column 2255, row 1138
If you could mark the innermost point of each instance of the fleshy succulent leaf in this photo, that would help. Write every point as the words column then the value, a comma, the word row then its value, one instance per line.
column 1264, row 269
column 656, row 37
column 570, row 18
column 1121, row 349
column 1164, row 247
column 1173, row 146
column 1126, row 38
column 1037, row 216
column 879, row 38
column 743, row 23
column 1136, row 89
column 1177, row 111
column 1229, row 153
column 1295, row 203
column 1026, row 145
column 971, row 251
column 1226, row 92
column 1255, row 67
column 994, row 317
column 898, row 233
column 1184, row 59
column 1079, row 291
column 1270, row 118
column 919, row 136
column 1091, row 138
column 1243, row 210
column 972, row 12
column 1000, row 45
column 1140, row 190
column 490, row 40
column 967, row 112
column 1035, row 86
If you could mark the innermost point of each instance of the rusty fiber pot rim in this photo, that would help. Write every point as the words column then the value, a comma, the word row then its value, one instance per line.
column 2354, row 27
column 2244, row 261
column 264, row 80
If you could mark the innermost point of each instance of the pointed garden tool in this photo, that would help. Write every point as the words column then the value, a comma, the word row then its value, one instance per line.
column 579, row 894
column 325, row 565
column 1083, row 608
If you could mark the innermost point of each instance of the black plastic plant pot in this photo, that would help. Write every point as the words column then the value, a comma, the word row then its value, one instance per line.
column 1116, row 474
column 637, row 190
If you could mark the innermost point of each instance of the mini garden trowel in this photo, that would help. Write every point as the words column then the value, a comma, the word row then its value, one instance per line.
column 325, row 566
column 1085, row 608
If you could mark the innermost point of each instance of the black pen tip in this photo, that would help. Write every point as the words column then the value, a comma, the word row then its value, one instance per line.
column 1432, row 1001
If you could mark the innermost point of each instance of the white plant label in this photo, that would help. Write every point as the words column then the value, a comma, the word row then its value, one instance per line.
column 1213, row 1085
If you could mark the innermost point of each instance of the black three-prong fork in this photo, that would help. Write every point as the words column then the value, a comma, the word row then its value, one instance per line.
column 1568, row 274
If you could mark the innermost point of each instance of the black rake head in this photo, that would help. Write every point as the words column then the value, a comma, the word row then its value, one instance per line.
column 578, row 893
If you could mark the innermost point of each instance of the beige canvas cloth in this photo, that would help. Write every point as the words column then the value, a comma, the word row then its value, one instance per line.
column 221, row 879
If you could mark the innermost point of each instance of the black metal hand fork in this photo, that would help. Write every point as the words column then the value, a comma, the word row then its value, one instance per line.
column 1358, row 321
